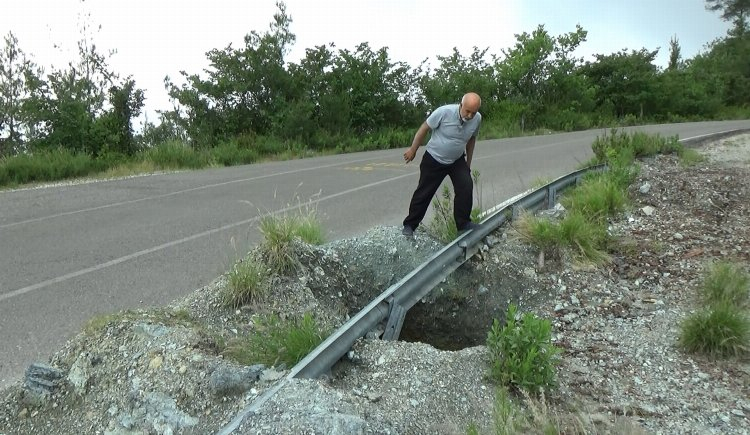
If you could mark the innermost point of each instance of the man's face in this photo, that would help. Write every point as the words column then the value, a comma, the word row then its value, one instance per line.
column 466, row 112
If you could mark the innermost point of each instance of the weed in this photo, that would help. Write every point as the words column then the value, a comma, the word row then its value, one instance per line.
column 278, row 341
column 521, row 352
column 443, row 224
column 690, row 157
column 597, row 198
column 280, row 232
column 247, row 282
column 585, row 238
column 720, row 331
column 726, row 282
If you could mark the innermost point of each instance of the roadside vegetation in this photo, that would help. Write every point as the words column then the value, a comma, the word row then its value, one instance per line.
column 253, row 104
column 273, row 340
column 522, row 355
column 276, row 342
column 720, row 328
column 442, row 225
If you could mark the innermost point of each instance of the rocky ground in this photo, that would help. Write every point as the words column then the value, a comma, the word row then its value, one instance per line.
column 162, row 371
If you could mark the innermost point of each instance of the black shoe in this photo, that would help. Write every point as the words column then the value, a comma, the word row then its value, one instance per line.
column 407, row 231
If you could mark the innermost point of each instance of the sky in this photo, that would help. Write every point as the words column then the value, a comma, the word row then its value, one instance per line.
column 158, row 38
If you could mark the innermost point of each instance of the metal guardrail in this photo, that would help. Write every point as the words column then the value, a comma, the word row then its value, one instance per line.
column 391, row 305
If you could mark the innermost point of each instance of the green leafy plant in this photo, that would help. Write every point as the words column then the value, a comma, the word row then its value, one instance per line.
column 278, row 341
column 521, row 352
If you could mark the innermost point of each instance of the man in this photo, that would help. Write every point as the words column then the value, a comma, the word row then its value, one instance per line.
column 449, row 151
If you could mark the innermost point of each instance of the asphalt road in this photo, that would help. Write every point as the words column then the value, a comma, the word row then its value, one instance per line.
column 70, row 252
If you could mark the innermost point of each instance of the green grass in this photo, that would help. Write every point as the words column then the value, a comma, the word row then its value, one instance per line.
column 598, row 197
column 726, row 282
column 585, row 239
column 278, row 342
column 279, row 233
column 442, row 226
column 247, row 282
column 721, row 329
column 521, row 352
column 690, row 157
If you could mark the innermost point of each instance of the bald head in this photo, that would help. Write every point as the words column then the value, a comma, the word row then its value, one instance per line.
column 472, row 100
column 470, row 104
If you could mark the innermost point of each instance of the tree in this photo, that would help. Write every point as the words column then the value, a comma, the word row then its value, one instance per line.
column 735, row 11
column 458, row 74
column 64, row 108
column 624, row 82
column 538, row 79
column 126, row 102
column 15, row 71
column 675, row 59
column 245, row 89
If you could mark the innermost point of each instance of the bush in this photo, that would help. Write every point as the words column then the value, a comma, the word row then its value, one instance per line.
column 521, row 352
column 638, row 144
column 176, row 155
column 278, row 341
column 231, row 153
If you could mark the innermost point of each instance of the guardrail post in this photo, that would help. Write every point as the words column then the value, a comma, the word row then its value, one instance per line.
column 396, row 315
column 551, row 194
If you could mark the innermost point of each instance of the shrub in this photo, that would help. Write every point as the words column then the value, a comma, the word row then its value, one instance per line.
column 521, row 352
column 176, row 155
column 247, row 282
column 232, row 153
column 278, row 341
column 720, row 331
column 639, row 144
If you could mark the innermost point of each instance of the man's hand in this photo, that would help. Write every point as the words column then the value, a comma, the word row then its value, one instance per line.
column 409, row 155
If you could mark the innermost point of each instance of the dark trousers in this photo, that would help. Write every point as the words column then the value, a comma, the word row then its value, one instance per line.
column 431, row 175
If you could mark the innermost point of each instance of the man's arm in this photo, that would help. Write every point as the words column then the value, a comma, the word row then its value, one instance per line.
column 470, row 149
column 417, row 142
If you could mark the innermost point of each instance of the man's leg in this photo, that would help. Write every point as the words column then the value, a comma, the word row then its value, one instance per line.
column 431, row 174
column 464, row 187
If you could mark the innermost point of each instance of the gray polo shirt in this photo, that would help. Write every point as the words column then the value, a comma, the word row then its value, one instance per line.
column 449, row 135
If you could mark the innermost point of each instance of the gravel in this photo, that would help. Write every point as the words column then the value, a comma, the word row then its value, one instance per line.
column 161, row 371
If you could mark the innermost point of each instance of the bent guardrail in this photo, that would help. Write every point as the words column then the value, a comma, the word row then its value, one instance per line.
column 391, row 305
